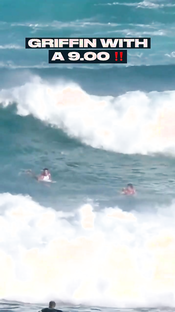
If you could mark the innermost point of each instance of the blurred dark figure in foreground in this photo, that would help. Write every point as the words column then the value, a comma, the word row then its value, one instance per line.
column 51, row 308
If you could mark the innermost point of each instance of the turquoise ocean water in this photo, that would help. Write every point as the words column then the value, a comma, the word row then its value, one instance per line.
column 96, row 127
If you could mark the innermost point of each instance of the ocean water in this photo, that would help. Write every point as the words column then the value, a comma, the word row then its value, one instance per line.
column 96, row 127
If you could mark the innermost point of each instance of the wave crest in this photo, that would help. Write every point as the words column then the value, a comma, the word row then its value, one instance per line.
column 135, row 122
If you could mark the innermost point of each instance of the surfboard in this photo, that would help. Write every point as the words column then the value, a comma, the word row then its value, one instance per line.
column 33, row 175
column 49, row 181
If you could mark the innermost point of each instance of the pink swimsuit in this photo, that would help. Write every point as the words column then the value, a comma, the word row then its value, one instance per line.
column 129, row 192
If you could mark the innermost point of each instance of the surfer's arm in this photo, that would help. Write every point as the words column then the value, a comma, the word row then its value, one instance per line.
column 123, row 191
column 30, row 172
column 40, row 178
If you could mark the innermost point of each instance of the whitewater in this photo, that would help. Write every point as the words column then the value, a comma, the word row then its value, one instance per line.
column 118, row 124
column 104, row 258
column 97, row 128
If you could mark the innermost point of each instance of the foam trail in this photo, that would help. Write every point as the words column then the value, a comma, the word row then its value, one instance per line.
column 142, row 4
column 134, row 122
column 107, row 258
column 8, row 46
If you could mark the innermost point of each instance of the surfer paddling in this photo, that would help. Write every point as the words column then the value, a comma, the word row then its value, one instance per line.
column 129, row 190
column 45, row 176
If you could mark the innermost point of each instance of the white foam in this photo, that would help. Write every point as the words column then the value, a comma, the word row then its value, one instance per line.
column 11, row 47
column 135, row 122
column 107, row 258
column 142, row 4
column 60, row 25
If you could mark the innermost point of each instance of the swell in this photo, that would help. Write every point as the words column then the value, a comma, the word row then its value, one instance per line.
column 132, row 123
column 120, row 80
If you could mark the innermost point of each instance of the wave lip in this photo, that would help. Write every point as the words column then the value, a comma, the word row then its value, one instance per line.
column 135, row 122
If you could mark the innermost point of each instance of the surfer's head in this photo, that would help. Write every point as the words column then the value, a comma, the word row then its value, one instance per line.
column 130, row 186
column 52, row 304
column 45, row 171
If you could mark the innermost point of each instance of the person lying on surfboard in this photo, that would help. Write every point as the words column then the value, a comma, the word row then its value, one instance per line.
column 45, row 176
column 129, row 190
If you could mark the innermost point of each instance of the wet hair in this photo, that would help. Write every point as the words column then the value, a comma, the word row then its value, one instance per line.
column 130, row 185
column 46, row 169
column 52, row 304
